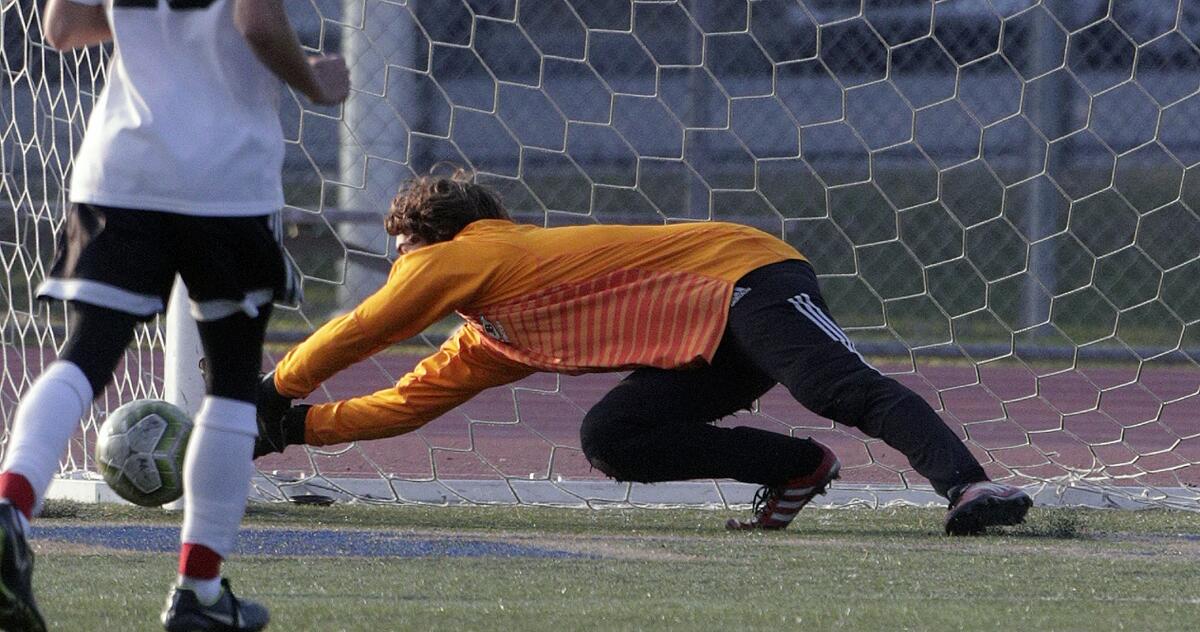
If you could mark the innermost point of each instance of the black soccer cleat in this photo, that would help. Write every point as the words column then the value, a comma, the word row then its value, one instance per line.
column 18, row 610
column 977, row 506
column 185, row 613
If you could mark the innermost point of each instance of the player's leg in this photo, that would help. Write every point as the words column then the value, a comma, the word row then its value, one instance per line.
column 216, row 476
column 233, row 269
column 108, row 267
column 46, row 417
column 783, row 324
column 50, row 411
column 655, row 426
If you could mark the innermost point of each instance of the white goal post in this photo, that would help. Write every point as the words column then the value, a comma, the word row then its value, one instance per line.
column 1001, row 197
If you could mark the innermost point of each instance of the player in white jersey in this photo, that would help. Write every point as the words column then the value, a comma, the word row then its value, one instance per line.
column 178, row 173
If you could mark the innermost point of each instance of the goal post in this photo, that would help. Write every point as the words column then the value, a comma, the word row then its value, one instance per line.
column 1001, row 198
column 183, row 369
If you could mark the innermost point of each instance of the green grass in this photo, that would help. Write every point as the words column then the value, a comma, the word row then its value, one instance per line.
column 848, row 569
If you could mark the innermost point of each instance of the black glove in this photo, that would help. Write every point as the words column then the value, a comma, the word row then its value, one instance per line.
column 271, row 405
column 287, row 430
column 279, row 423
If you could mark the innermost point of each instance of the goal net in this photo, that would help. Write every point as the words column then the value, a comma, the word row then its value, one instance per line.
column 1001, row 197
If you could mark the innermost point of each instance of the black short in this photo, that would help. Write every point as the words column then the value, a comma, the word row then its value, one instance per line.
column 126, row 260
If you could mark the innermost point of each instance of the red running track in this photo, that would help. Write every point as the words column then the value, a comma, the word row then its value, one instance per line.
column 1108, row 418
column 1142, row 428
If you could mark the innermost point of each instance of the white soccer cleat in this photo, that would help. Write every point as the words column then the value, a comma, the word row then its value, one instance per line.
column 977, row 506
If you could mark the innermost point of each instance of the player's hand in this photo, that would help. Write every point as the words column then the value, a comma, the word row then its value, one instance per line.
column 270, row 407
column 332, row 79
column 277, row 435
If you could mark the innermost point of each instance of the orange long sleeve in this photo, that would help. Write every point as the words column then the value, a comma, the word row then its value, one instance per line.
column 458, row 371
column 422, row 288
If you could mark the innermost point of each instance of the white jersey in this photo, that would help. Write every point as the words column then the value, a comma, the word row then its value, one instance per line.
column 189, row 119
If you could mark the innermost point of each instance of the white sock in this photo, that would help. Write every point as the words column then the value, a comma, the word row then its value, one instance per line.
column 216, row 473
column 207, row 590
column 46, row 417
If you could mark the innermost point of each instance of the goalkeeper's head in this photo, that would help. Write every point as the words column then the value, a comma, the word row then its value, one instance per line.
column 431, row 209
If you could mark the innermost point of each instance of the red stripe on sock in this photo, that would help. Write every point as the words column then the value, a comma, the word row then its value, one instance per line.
column 17, row 490
column 199, row 562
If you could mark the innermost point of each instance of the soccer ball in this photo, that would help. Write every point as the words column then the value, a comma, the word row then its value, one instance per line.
column 140, row 450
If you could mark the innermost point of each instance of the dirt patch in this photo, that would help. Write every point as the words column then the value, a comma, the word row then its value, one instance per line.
column 610, row 547
column 626, row 547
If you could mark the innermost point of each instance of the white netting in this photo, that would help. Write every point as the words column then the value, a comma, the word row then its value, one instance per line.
column 1001, row 197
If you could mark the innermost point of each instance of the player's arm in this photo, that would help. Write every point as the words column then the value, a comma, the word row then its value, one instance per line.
column 422, row 288
column 68, row 24
column 458, row 371
column 324, row 79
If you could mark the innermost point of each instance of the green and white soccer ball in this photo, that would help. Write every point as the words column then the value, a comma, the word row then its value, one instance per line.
column 140, row 450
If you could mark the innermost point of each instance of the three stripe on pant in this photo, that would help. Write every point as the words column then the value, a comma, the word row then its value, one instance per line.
column 805, row 305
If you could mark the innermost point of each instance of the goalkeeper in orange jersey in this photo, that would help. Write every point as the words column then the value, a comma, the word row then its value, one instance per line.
column 709, row 316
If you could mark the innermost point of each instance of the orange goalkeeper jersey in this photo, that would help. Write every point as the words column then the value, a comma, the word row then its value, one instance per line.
column 570, row 300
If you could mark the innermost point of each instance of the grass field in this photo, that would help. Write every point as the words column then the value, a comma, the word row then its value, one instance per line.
column 836, row 569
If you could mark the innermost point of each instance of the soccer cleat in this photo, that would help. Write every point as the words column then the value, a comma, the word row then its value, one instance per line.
column 18, row 610
column 976, row 506
column 775, row 507
column 185, row 613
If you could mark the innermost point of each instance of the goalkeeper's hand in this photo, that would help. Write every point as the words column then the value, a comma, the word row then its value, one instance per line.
column 277, row 435
column 271, row 405
column 277, row 419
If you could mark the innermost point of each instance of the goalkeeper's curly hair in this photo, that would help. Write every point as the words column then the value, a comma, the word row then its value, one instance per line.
column 435, row 208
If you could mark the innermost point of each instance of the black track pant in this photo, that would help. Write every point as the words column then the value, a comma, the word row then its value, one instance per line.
column 654, row 426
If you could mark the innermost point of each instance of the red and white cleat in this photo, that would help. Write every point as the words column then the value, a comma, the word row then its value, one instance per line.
column 977, row 506
column 776, row 507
